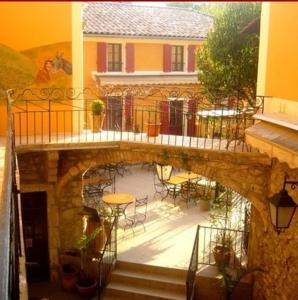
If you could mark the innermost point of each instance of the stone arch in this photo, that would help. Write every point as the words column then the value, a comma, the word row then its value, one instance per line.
column 246, row 173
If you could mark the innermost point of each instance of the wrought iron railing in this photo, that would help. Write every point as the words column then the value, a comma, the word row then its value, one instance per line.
column 211, row 237
column 193, row 267
column 107, row 260
column 10, row 248
column 53, row 116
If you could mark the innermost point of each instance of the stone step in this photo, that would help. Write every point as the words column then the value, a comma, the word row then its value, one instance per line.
column 176, row 274
column 139, row 281
column 132, row 292
column 140, row 278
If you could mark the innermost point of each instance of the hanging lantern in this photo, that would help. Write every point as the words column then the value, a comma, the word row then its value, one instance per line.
column 164, row 172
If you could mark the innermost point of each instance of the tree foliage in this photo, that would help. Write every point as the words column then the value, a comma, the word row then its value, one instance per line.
column 228, row 61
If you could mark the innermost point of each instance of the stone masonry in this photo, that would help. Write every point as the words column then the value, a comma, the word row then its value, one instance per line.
column 253, row 175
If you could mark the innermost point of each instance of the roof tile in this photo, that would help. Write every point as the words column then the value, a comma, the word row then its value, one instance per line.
column 104, row 18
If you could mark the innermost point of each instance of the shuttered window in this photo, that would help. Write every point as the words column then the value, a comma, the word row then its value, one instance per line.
column 114, row 58
column 177, row 58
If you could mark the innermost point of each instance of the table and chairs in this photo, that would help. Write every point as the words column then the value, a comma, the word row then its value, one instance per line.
column 118, row 202
column 187, row 184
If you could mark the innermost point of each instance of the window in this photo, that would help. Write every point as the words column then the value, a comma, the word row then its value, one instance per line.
column 114, row 58
column 177, row 58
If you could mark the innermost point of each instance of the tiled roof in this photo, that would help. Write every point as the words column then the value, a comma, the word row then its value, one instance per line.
column 104, row 18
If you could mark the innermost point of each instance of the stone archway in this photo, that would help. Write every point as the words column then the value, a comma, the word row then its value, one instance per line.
column 246, row 173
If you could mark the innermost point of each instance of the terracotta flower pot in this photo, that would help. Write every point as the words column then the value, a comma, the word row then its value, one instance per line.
column 70, row 276
column 153, row 129
column 97, row 122
column 222, row 255
column 86, row 287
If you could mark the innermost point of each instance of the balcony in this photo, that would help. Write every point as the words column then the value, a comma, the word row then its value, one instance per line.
column 57, row 118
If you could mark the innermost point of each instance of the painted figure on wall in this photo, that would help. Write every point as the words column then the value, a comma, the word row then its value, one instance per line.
column 44, row 74
column 59, row 62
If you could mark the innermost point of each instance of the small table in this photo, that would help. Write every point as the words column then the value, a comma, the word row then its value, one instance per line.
column 115, row 201
column 177, row 181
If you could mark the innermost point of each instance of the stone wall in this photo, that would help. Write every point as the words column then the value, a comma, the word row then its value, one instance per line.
column 253, row 175
column 276, row 255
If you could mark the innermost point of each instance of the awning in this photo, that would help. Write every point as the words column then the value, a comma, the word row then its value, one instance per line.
column 277, row 141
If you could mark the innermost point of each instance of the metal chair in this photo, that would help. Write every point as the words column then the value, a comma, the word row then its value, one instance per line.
column 139, row 214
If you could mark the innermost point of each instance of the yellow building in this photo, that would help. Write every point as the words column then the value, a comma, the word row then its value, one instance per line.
column 127, row 46
column 276, row 133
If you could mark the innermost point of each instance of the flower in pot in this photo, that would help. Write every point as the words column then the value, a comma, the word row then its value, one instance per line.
column 223, row 248
column 97, row 110
column 86, row 285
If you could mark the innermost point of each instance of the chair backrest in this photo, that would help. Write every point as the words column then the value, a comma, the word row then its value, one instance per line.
column 141, row 207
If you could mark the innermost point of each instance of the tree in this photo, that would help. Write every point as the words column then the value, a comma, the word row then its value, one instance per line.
column 211, row 8
column 228, row 61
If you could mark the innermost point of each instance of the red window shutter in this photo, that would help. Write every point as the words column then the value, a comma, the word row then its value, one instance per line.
column 101, row 57
column 130, row 53
column 191, row 58
column 167, row 58
column 191, row 121
column 128, row 108
column 164, row 117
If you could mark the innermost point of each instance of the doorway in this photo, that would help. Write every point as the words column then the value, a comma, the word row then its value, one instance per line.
column 114, row 113
column 35, row 230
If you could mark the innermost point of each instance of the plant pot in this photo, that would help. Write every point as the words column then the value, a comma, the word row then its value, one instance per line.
column 153, row 129
column 86, row 287
column 204, row 205
column 222, row 255
column 97, row 122
column 70, row 276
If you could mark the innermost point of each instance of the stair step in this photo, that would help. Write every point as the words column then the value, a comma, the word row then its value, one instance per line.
column 139, row 278
column 132, row 292
column 149, row 269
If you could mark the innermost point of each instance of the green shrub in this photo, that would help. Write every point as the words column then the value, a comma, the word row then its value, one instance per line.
column 97, row 107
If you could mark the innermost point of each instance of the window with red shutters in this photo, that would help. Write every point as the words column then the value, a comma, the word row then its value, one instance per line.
column 166, row 58
column 130, row 64
column 114, row 57
column 101, row 57
column 191, row 58
column 177, row 58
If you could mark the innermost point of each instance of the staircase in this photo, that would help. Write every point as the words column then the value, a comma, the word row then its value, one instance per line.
column 137, row 281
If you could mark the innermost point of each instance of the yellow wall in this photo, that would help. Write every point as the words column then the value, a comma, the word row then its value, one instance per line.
column 32, row 24
column 33, row 32
column 148, row 57
column 90, row 63
column 282, row 58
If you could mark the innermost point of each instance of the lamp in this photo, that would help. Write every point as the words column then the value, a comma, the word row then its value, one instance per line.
column 282, row 207
column 164, row 172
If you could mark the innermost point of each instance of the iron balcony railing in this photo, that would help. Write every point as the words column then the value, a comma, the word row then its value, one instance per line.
column 107, row 260
column 10, row 247
column 197, row 123
column 193, row 267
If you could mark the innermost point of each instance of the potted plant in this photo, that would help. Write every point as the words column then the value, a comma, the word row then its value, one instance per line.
column 223, row 248
column 205, row 202
column 98, row 114
column 86, row 285
column 69, row 270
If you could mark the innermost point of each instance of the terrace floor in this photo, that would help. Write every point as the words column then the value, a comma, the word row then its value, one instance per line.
column 169, row 230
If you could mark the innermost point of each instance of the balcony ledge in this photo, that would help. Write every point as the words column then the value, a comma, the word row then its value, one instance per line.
column 279, row 119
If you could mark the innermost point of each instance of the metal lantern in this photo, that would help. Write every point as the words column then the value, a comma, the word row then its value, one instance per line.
column 164, row 172
column 282, row 208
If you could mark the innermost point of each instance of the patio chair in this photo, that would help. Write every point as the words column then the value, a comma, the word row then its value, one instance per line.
column 139, row 214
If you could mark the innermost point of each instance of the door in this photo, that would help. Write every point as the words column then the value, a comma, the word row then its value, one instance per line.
column 191, row 120
column 176, row 117
column 114, row 113
column 35, row 230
